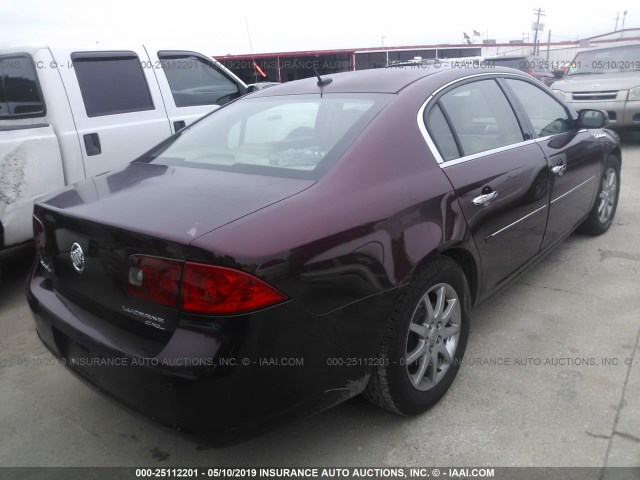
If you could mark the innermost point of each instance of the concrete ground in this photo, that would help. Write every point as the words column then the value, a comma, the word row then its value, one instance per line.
column 579, row 307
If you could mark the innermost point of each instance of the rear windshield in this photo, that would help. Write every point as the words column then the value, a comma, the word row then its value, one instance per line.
column 298, row 136
column 619, row 59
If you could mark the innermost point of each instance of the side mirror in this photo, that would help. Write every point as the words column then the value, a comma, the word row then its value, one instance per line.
column 588, row 118
column 558, row 73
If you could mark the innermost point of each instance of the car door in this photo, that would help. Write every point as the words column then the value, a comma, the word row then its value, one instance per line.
column 192, row 85
column 573, row 157
column 500, row 177
column 116, row 105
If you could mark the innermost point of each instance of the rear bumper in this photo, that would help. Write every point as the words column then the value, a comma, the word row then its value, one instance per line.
column 219, row 377
column 625, row 113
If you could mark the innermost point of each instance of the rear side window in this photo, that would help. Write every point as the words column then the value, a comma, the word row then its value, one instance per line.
column 196, row 81
column 442, row 135
column 19, row 92
column 545, row 113
column 111, row 83
column 481, row 117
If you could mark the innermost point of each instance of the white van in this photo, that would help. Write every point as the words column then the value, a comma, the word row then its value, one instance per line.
column 69, row 113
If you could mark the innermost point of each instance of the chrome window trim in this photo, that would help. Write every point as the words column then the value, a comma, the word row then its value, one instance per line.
column 427, row 138
column 473, row 156
column 431, row 144
column 572, row 190
column 516, row 222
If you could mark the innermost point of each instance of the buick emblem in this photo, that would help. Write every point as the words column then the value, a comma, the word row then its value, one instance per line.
column 77, row 257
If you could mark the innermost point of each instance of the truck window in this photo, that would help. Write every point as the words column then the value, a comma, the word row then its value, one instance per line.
column 196, row 81
column 111, row 83
column 19, row 92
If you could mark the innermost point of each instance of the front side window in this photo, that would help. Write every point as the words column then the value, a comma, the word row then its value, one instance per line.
column 195, row 81
column 111, row 83
column 481, row 117
column 19, row 93
column 545, row 113
column 297, row 136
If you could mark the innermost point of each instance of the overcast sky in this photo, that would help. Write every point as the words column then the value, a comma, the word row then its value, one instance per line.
column 218, row 28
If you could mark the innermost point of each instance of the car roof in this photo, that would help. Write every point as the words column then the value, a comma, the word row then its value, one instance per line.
column 377, row 80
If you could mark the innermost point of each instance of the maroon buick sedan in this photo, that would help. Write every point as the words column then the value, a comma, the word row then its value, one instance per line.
column 313, row 241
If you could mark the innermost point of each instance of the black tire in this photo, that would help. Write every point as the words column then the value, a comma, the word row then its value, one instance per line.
column 393, row 383
column 604, row 208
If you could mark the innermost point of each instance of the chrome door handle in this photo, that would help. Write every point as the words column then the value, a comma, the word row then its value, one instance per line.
column 485, row 199
column 559, row 169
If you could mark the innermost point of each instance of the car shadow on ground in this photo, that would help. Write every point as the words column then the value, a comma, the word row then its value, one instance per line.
column 13, row 275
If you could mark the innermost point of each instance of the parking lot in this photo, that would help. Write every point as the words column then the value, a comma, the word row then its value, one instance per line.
column 551, row 377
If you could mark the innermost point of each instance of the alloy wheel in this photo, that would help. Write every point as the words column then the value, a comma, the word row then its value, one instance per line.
column 433, row 336
column 607, row 195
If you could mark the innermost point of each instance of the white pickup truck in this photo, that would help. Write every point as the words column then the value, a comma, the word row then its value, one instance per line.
column 67, row 114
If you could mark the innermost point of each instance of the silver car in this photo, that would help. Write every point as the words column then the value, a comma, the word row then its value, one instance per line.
column 605, row 79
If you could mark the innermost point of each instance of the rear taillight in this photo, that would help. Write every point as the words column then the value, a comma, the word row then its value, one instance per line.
column 209, row 289
column 40, row 240
column 205, row 289
column 154, row 279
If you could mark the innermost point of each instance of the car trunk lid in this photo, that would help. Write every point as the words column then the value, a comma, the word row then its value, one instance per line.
column 95, row 227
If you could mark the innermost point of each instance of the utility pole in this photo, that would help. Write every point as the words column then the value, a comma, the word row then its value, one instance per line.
column 617, row 17
column 536, row 26
column 548, row 44
column 624, row 15
column 386, row 52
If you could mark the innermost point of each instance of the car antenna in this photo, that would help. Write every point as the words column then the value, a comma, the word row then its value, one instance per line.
column 322, row 81
column 253, row 60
